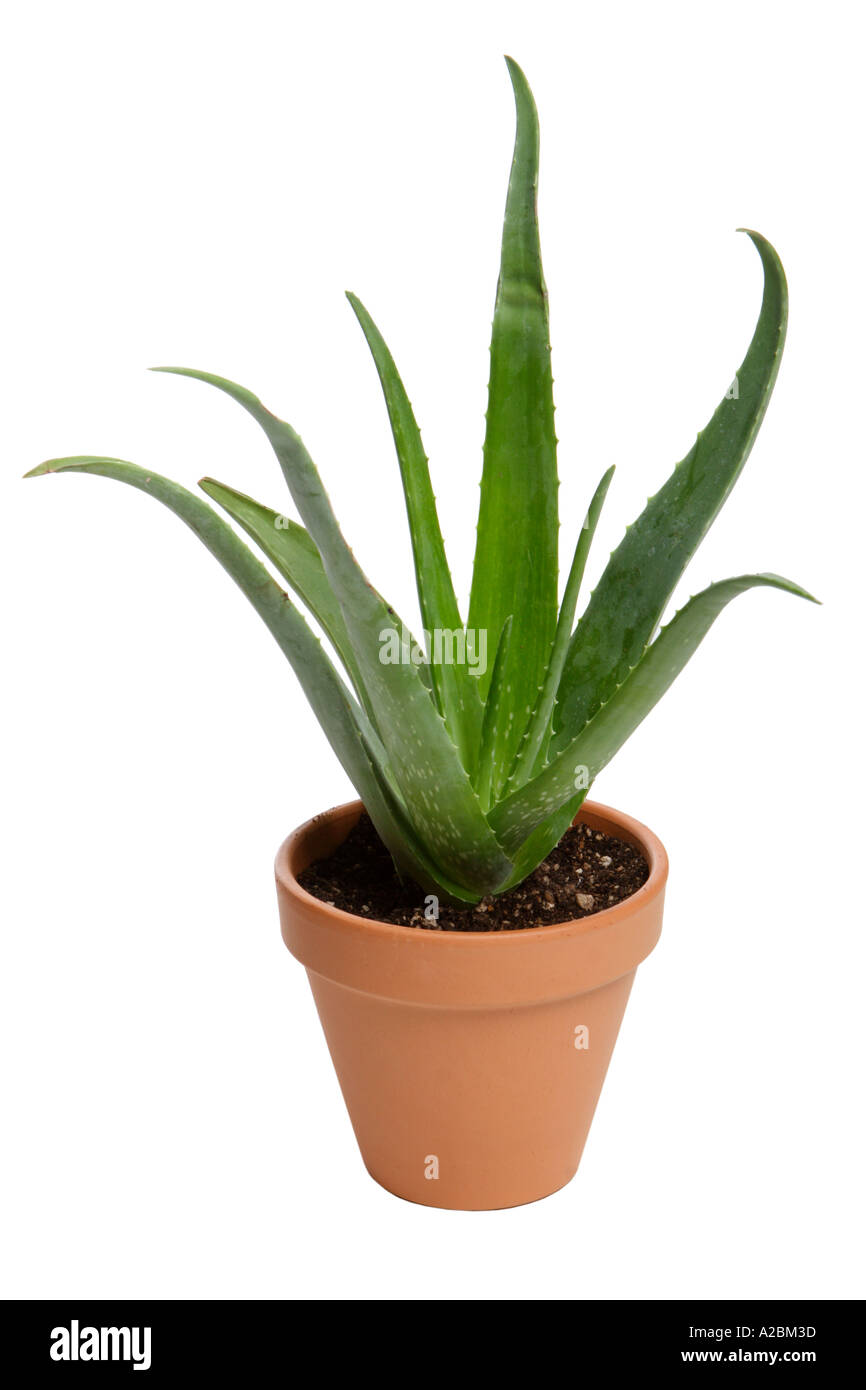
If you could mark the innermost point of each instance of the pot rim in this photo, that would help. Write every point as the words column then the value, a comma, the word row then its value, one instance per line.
column 635, row 832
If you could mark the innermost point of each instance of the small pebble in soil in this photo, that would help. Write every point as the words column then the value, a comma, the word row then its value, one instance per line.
column 587, row 872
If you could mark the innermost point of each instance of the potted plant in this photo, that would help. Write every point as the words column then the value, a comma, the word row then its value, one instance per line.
column 471, row 1059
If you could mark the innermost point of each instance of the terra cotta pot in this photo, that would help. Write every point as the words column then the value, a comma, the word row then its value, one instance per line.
column 471, row 1062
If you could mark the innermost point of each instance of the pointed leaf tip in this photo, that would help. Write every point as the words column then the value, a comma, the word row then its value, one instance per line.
column 80, row 462
column 768, row 254
column 790, row 587
column 520, row 85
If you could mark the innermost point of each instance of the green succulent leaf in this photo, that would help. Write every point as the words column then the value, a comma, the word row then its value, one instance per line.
column 293, row 552
column 633, row 592
column 519, row 815
column 456, row 689
column 439, row 798
column 530, row 759
column 515, row 571
column 544, row 838
column 494, row 732
column 344, row 723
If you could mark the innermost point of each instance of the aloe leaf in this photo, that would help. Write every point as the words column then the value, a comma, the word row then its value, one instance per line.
column 440, row 800
column 288, row 546
column 515, row 569
column 642, row 573
column 343, row 721
column 543, row 839
column 530, row 759
column 456, row 690
column 494, row 730
column 294, row 553
column 519, row 815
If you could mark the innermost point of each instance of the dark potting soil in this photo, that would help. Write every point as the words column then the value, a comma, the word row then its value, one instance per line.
column 587, row 872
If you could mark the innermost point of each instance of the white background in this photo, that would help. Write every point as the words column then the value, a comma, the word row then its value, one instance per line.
column 197, row 183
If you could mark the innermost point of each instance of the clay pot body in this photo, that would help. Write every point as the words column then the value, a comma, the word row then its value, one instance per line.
column 471, row 1062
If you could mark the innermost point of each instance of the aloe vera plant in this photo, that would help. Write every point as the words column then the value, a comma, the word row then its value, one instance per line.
column 472, row 776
